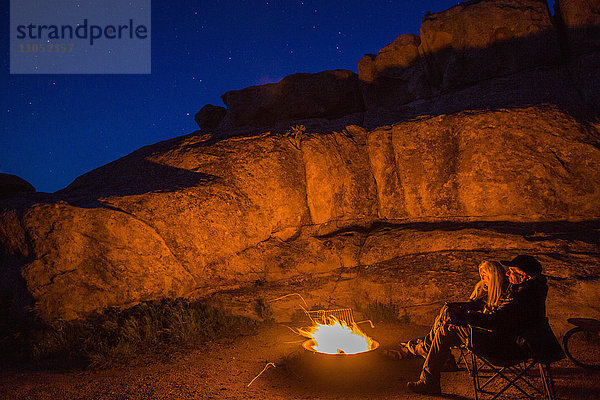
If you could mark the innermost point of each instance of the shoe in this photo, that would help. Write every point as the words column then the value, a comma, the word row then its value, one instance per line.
column 450, row 364
column 399, row 353
column 423, row 387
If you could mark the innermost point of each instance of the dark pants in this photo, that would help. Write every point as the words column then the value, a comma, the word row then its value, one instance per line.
column 435, row 346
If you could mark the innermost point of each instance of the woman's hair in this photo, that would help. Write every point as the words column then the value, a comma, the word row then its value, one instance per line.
column 497, row 278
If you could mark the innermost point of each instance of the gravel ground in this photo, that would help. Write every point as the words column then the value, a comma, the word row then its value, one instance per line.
column 223, row 369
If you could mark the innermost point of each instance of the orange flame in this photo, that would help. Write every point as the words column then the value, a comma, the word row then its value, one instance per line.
column 337, row 337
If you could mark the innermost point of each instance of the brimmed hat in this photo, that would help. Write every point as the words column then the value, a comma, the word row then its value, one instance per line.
column 527, row 264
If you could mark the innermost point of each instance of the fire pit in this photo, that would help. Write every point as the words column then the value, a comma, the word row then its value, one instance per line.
column 337, row 351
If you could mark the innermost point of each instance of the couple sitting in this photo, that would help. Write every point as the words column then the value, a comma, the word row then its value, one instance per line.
column 504, row 304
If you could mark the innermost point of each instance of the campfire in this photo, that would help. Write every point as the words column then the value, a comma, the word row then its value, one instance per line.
column 337, row 352
column 331, row 334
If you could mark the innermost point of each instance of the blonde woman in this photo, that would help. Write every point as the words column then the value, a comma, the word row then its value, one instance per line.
column 491, row 286
column 485, row 298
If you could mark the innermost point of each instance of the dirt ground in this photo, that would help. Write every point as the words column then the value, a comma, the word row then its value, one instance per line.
column 223, row 369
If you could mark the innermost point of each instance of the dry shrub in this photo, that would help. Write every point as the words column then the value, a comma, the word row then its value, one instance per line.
column 120, row 334
column 377, row 311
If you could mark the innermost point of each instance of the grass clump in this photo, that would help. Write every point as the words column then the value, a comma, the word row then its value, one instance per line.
column 120, row 334
column 377, row 311
column 263, row 309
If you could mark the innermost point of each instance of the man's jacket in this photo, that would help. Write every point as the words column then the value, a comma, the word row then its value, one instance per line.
column 521, row 308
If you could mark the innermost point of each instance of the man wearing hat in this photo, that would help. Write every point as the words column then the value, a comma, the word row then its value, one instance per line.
column 494, row 333
column 522, row 268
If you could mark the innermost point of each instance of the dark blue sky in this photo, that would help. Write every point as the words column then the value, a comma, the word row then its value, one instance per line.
column 57, row 127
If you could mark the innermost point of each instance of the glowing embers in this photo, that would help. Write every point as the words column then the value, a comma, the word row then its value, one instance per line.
column 337, row 337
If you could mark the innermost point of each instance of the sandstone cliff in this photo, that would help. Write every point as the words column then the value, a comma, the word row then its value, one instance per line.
column 388, row 190
column 192, row 216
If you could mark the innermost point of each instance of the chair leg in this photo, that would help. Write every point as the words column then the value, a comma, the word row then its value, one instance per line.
column 552, row 393
column 544, row 381
column 462, row 359
column 475, row 375
column 546, row 376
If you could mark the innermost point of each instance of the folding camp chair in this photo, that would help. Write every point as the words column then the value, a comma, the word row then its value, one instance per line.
column 515, row 374
column 537, row 347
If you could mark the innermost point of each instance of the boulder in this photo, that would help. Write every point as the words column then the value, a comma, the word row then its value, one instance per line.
column 402, row 53
column 367, row 70
column 514, row 164
column 395, row 76
column 12, row 185
column 209, row 116
column 185, row 204
column 581, row 21
column 476, row 40
column 326, row 94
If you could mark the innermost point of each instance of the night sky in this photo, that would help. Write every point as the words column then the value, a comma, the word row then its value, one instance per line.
column 57, row 127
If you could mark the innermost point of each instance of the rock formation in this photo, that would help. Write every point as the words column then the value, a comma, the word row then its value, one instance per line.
column 475, row 43
column 329, row 94
column 12, row 185
column 396, row 75
column 213, row 215
column 209, row 116
column 477, row 40
column 393, row 189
